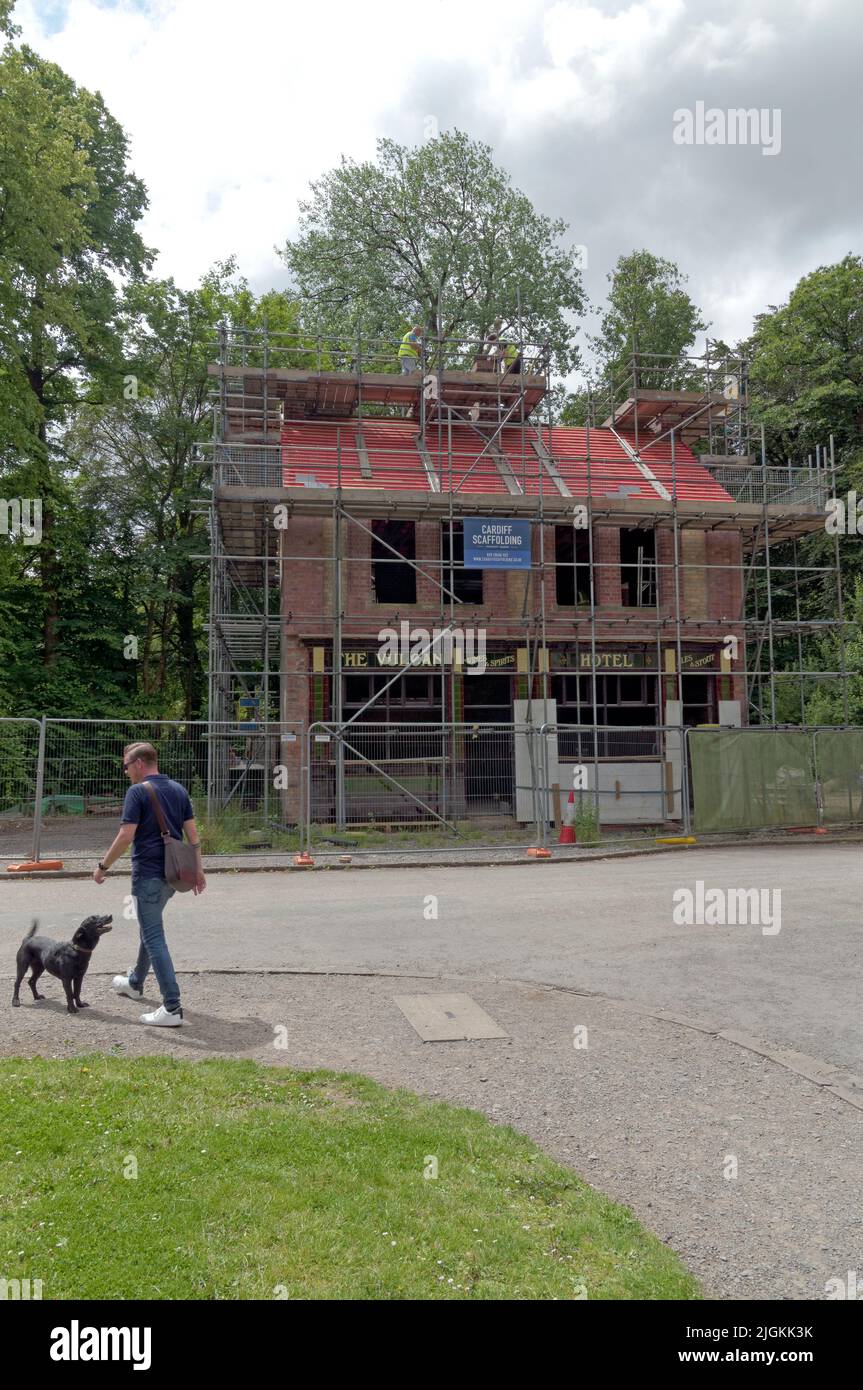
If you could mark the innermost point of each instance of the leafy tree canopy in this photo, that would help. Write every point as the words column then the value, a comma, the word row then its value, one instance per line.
column 435, row 230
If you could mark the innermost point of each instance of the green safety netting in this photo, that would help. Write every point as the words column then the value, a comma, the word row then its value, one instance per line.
column 749, row 779
column 839, row 763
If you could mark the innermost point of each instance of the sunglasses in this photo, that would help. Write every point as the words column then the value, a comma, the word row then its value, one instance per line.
column 127, row 765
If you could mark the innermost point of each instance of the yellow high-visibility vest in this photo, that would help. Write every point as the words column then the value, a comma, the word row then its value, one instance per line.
column 409, row 346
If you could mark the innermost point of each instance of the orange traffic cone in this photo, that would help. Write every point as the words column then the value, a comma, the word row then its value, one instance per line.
column 567, row 830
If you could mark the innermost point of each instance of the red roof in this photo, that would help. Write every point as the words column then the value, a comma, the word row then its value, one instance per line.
column 319, row 454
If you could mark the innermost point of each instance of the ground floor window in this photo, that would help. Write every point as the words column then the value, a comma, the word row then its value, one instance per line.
column 620, row 699
column 487, row 699
column 699, row 699
column 413, row 698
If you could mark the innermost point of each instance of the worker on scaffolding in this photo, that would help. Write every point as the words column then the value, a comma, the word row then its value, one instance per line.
column 489, row 350
column 509, row 357
column 409, row 350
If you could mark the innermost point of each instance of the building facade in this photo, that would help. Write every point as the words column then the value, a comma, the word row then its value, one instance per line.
column 350, row 504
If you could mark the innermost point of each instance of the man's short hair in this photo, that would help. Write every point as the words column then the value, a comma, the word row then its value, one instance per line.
column 145, row 751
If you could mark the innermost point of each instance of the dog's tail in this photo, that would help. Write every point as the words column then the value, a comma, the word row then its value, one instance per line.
column 33, row 929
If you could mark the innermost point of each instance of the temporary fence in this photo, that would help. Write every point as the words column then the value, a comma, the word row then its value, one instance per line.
column 757, row 778
column 62, row 782
column 21, row 762
column 491, row 775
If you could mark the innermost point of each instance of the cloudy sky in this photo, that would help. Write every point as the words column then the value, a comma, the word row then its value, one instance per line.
column 233, row 107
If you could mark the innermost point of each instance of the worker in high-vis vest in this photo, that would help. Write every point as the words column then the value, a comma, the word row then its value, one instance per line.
column 409, row 350
column 511, row 359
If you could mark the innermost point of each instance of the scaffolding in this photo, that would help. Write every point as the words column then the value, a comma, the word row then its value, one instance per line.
column 315, row 427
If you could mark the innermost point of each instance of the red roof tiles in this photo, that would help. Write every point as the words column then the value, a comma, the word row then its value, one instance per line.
column 322, row 454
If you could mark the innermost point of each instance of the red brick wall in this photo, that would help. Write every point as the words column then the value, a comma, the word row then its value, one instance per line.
column 308, row 594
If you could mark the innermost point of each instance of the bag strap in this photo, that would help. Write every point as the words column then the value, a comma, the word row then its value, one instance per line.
column 160, row 815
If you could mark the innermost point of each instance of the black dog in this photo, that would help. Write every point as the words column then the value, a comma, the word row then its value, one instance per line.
column 68, row 960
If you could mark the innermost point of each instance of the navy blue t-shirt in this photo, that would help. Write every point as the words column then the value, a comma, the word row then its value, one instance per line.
column 148, row 852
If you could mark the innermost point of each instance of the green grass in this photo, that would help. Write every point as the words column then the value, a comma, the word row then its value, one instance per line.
column 261, row 1182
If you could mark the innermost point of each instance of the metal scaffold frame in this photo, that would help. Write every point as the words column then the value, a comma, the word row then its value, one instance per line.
column 264, row 381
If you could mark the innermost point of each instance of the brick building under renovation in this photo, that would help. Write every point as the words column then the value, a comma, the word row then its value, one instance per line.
column 657, row 585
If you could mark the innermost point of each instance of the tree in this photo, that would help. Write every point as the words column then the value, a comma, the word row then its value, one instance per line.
column 437, row 230
column 806, row 361
column 140, row 469
column 6, row 25
column 46, row 185
column 69, row 242
column 649, row 312
column 806, row 383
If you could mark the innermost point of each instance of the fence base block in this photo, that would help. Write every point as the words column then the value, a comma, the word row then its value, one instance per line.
column 34, row 866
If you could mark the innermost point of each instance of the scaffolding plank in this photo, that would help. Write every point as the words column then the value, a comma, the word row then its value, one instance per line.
column 363, row 455
column 504, row 468
column 550, row 467
column 433, row 479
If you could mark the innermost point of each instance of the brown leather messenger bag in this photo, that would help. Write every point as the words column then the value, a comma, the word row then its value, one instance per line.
column 181, row 859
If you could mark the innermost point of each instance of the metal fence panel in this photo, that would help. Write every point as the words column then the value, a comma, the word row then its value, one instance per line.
column 628, row 776
column 410, row 774
column 253, row 772
column 19, row 786
column 515, row 775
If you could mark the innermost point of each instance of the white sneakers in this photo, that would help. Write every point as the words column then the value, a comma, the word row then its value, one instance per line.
column 122, row 986
column 161, row 1018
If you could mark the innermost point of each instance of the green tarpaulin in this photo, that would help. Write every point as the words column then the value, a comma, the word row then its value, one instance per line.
column 839, row 762
column 750, row 779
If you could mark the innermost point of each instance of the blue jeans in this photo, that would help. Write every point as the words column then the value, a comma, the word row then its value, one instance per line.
column 151, row 895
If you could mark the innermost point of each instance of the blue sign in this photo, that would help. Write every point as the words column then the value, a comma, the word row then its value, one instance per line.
column 492, row 543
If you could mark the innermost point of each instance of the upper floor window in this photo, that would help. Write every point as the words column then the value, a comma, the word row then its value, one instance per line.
column 465, row 584
column 394, row 580
column 572, row 565
column 638, row 568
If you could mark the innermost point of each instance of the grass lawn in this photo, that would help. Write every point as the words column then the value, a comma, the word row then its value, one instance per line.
column 261, row 1182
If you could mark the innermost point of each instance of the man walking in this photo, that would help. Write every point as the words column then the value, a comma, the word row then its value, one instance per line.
column 150, row 888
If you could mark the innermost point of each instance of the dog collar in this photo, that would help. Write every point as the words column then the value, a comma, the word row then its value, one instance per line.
column 85, row 951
